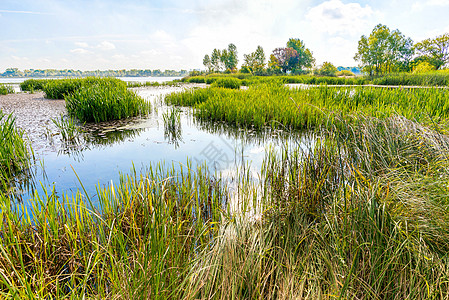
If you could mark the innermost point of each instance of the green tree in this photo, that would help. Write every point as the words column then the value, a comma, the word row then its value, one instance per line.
column 229, row 57
column 207, row 63
column 215, row 60
column 305, row 57
column 436, row 50
column 384, row 51
column 328, row 69
column 255, row 61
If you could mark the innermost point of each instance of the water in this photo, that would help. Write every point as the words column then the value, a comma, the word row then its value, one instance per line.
column 117, row 147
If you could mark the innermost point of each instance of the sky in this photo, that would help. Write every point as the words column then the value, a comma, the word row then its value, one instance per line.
column 176, row 34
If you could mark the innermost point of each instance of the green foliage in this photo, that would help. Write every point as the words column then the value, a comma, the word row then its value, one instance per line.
column 103, row 101
column 273, row 105
column 15, row 154
column 31, row 85
column 328, row 69
column 227, row 82
column 344, row 73
column 435, row 50
column 6, row 89
column 254, row 62
column 384, row 51
column 435, row 78
column 423, row 67
column 59, row 88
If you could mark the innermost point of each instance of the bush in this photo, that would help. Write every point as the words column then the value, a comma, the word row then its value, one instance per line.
column 345, row 73
column 227, row 82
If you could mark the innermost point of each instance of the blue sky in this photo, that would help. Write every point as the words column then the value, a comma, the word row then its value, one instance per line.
column 176, row 34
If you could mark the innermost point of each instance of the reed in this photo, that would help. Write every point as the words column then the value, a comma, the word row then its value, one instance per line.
column 104, row 102
column 6, row 89
column 273, row 105
column 31, row 85
column 16, row 155
column 138, row 241
column 434, row 78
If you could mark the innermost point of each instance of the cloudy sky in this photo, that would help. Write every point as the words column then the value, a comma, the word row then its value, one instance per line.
column 176, row 34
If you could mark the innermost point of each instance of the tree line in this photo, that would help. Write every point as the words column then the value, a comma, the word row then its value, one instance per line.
column 383, row 51
column 15, row 72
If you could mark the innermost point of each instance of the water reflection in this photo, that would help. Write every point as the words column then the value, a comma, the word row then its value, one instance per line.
column 102, row 151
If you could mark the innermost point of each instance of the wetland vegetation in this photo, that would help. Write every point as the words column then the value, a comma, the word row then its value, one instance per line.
column 361, row 212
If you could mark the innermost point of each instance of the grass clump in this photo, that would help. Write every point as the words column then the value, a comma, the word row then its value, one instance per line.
column 15, row 154
column 31, row 85
column 6, row 89
column 140, row 243
column 227, row 82
column 105, row 101
column 59, row 88
column 433, row 78
column 274, row 105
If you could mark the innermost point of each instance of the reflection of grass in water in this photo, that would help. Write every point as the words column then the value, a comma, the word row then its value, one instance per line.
column 172, row 125
column 16, row 155
column 68, row 128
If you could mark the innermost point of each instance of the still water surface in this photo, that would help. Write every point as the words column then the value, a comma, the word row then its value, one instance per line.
column 109, row 149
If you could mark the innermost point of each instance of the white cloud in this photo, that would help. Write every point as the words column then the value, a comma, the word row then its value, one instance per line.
column 418, row 6
column 79, row 51
column 82, row 44
column 334, row 17
column 105, row 45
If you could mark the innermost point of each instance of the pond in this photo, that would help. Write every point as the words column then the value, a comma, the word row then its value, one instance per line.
column 104, row 151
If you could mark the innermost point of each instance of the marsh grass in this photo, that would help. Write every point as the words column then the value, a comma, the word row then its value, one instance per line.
column 31, row 85
column 138, row 243
column 104, row 102
column 16, row 156
column 273, row 104
column 434, row 78
column 6, row 89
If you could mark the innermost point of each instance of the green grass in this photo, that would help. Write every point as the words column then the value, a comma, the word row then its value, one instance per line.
column 434, row 78
column 105, row 102
column 276, row 106
column 15, row 154
column 31, row 85
column 305, row 79
column 172, row 125
column 362, row 214
column 227, row 82
column 6, row 89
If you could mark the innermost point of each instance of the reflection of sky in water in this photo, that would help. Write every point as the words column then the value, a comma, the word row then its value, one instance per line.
column 102, row 163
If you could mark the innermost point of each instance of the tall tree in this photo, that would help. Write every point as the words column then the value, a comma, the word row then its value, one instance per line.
column 436, row 50
column 294, row 57
column 215, row 60
column 255, row 61
column 305, row 58
column 383, row 51
column 229, row 57
column 207, row 62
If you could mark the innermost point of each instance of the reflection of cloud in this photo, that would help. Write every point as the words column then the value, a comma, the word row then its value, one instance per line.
column 334, row 16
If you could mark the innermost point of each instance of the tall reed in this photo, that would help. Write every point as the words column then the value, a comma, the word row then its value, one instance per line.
column 6, row 89
column 15, row 153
